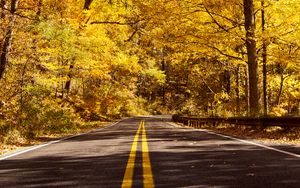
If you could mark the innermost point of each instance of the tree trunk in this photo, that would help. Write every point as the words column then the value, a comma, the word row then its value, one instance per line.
column 280, row 89
column 163, row 89
column 22, row 90
column 68, row 83
column 8, row 38
column 87, row 4
column 264, row 59
column 62, row 88
column 3, row 5
column 254, row 96
column 39, row 11
column 247, row 91
column 237, row 90
column 226, row 84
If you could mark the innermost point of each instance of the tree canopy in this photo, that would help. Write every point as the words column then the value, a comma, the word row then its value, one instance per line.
column 64, row 61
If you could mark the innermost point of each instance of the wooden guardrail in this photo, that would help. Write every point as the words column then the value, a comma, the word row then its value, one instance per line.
column 247, row 121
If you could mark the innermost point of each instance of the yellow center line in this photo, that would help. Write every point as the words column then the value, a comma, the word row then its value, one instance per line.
column 147, row 171
column 127, row 180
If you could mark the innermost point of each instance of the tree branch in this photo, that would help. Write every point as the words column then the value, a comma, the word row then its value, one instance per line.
column 224, row 54
column 215, row 21
column 18, row 14
column 115, row 22
column 132, row 35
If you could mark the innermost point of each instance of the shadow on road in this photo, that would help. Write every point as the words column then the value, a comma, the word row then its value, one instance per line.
column 180, row 158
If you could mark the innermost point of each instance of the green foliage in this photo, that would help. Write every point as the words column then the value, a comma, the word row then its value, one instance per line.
column 45, row 116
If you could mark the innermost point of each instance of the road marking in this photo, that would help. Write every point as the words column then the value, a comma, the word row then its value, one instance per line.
column 6, row 156
column 253, row 143
column 148, row 181
column 241, row 140
column 147, row 171
column 39, row 146
column 128, row 176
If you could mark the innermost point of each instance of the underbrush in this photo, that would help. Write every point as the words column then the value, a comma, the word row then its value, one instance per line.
column 39, row 118
column 15, row 138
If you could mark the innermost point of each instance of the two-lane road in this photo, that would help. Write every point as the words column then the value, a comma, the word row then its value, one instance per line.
column 147, row 152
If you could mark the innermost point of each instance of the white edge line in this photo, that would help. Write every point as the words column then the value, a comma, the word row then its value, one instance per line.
column 53, row 142
column 252, row 143
column 247, row 142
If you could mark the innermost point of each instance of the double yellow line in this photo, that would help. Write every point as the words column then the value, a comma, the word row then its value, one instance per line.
column 147, row 172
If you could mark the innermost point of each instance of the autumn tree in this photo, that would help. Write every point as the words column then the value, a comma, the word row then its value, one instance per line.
column 71, row 61
column 8, row 35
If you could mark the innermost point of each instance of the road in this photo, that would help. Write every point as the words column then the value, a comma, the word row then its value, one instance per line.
column 148, row 152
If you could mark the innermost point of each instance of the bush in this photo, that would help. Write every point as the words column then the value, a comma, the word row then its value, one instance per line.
column 13, row 136
column 47, row 116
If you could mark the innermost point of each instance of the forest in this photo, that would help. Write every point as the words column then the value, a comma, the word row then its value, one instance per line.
column 64, row 62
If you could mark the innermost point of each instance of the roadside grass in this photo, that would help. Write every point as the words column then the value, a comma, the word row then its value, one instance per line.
column 273, row 135
column 14, row 140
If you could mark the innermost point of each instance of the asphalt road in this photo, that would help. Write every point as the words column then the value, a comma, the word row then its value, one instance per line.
column 179, row 157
